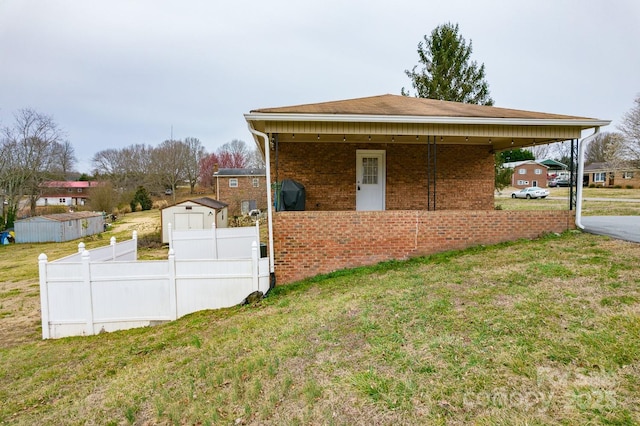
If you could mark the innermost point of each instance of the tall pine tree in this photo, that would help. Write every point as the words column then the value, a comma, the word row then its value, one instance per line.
column 446, row 71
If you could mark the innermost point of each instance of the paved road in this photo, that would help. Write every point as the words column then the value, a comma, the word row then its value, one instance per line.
column 621, row 227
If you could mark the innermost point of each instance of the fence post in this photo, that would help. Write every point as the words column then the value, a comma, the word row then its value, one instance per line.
column 170, row 235
column 81, row 247
column 254, row 265
column 44, row 295
column 134, row 237
column 214, row 232
column 173, row 295
column 112, row 243
column 88, row 294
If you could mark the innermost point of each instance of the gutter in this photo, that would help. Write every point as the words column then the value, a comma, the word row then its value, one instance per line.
column 581, row 150
column 267, row 161
column 366, row 118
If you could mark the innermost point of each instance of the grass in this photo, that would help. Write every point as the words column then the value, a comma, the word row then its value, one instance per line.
column 531, row 332
column 558, row 200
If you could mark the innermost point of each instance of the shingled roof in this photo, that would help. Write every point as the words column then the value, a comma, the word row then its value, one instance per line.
column 410, row 106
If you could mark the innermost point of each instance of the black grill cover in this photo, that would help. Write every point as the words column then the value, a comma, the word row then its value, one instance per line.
column 292, row 196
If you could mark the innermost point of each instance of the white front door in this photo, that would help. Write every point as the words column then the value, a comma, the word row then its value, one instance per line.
column 370, row 179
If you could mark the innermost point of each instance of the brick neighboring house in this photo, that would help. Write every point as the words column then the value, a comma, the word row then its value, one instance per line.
column 390, row 177
column 65, row 193
column 528, row 173
column 606, row 174
column 242, row 189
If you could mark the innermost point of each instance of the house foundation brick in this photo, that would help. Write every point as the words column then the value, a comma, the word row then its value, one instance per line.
column 315, row 242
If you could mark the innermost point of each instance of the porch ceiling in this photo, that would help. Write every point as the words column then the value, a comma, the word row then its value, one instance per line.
column 407, row 120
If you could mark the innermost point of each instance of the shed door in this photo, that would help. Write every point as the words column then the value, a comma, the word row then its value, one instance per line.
column 370, row 179
column 186, row 221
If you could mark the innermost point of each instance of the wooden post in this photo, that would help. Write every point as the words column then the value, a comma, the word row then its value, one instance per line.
column 173, row 290
column 44, row 296
column 88, row 294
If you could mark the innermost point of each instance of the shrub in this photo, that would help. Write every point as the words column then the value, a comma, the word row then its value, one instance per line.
column 629, row 186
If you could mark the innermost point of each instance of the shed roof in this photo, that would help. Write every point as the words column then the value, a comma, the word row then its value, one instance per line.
column 63, row 217
column 204, row 201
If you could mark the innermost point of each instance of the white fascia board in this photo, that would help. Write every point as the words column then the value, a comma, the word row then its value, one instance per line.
column 357, row 118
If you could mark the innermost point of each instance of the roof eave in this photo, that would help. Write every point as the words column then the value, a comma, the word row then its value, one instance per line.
column 357, row 118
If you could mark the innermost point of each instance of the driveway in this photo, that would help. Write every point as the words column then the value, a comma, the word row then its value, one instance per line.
column 620, row 227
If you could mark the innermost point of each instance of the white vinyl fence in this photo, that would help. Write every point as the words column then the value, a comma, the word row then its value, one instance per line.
column 107, row 289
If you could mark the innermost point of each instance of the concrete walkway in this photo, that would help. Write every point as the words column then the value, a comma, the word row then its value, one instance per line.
column 620, row 227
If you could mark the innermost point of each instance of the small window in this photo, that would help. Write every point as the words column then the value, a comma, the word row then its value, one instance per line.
column 522, row 171
column 599, row 177
column 256, row 182
column 523, row 182
column 233, row 183
column 62, row 200
column 627, row 175
column 538, row 171
column 79, row 189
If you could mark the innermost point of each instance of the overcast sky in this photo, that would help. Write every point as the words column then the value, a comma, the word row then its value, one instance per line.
column 118, row 72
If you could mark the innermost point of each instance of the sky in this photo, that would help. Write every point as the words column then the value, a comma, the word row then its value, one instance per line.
column 114, row 73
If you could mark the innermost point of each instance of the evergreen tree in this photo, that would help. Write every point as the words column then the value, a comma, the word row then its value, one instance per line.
column 446, row 70
column 143, row 198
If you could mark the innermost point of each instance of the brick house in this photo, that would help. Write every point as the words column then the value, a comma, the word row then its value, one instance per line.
column 607, row 174
column 528, row 173
column 65, row 193
column 242, row 189
column 390, row 177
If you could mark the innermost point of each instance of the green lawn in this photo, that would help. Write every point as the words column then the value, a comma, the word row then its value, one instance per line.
column 532, row 332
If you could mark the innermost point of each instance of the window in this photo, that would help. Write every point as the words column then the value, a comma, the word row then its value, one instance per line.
column 62, row 200
column 538, row 171
column 256, row 182
column 522, row 171
column 370, row 171
column 233, row 183
column 523, row 182
column 247, row 205
column 79, row 190
column 627, row 175
column 599, row 177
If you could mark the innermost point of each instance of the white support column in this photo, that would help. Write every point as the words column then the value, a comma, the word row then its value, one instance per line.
column 135, row 245
column 214, row 239
column 81, row 247
column 173, row 290
column 112, row 243
column 88, row 294
column 254, row 266
column 44, row 296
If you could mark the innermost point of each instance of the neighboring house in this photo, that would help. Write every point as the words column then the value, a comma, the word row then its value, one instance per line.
column 58, row 227
column 197, row 213
column 390, row 177
column 528, row 173
column 65, row 193
column 607, row 174
column 243, row 190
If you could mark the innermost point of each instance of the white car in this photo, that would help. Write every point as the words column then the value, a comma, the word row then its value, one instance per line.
column 531, row 192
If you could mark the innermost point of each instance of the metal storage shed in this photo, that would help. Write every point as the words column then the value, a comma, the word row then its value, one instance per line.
column 197, row 213
column 58, row 227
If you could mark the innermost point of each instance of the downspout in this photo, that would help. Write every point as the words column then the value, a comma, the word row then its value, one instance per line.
column 581, row 150
column 267, row 161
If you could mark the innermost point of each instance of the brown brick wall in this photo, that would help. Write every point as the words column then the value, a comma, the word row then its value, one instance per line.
column 464, row 180
column 529, row 175
column 244, row 191
column 313, row 242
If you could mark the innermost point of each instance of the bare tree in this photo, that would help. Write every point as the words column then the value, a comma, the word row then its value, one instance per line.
column 125, row 168
column 208, row 166
column 233, row 155
column 541, row 152
column 255, row 159
column 630, row 129
column 195, row 153
column 605, row 148
column 168, row 164
column 31, row 145
column 65, row 157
